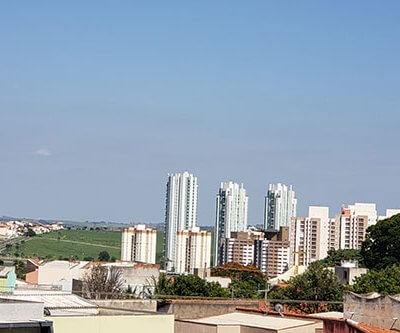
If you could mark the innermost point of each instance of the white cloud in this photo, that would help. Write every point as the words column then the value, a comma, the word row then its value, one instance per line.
column 43, row 152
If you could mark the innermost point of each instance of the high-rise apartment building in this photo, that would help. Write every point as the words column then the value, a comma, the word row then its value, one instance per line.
column 180, row 211
column 354, row 221
column 239, row 247
column 389, row 213
column 231, row 213
column 139, row 244
column 272, row 254
column 334, row 234
column 280, row 206
column 193, row 250
column 309, row 236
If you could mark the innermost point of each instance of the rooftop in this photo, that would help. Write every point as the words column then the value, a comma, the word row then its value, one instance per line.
column 5, row 270
column 254, row 320
column 55, row 301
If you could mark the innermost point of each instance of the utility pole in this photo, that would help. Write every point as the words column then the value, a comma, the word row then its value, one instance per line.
column 266, row 290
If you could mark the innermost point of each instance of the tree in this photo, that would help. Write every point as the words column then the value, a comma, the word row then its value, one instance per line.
column 381, row 247
column 335, row 257
column 30, row 233
column 103, row 282
column 20, row 269
column 246, row 280
column 163, row 286
column 385, row 281
column 188, row 285
column 317, row 283
column 104, row 256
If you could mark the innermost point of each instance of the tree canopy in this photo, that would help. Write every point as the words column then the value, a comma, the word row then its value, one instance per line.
column 189, row 285
column 246, row 280
column 385, row 281
column 335, row 257
column 317, row 283
column 381, row 247
column 104, row 256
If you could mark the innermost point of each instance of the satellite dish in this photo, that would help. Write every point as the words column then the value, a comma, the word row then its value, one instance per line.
column 279, row 308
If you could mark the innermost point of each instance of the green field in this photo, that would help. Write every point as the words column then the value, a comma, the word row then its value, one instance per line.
column 75, row 244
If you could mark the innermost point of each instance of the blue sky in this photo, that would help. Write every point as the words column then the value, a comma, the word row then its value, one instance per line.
column 100, row 100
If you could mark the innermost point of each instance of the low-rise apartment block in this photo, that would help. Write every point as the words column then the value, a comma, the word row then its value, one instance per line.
column 193, row 250
column 139, row 244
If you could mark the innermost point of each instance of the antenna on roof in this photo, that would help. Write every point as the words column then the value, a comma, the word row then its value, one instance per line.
column 279, row 308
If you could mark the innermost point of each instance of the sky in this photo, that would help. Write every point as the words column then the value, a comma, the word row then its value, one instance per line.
column 100, row 100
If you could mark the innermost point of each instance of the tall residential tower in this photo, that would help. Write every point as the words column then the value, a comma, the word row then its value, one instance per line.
column 280, row 206
column 180, row 211
column 231, row 213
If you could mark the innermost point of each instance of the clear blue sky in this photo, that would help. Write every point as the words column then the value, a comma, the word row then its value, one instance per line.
column 99, row 100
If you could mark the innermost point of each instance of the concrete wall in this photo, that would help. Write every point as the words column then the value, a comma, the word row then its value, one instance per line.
column 197, row 309
column 20, row 311
column 338, row 326
column 139, row 276
column 348, row 274
column 129, row 304
column 377, row 310
column 118, row 324
column 184, row 327
column 248, row 329
column 304, row 328
column 229, row 329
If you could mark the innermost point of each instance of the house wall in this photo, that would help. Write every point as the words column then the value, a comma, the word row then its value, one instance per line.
column 128, row 304
column 338, row 326
column 185, row 327
column 379, row 311
column 248, row 329
column 20, row 311
column 120, row 324
column 304, row 328
column 229, row 329
column 194, row 310
column 32, row 277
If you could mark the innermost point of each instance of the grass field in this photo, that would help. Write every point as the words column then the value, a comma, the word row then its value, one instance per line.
column 76, row 244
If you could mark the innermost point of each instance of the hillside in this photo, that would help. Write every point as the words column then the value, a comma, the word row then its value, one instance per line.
column 74, row 244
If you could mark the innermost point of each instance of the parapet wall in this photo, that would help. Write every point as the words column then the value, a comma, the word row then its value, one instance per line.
column 194, row 309
column 373, row 309
column 128, row 304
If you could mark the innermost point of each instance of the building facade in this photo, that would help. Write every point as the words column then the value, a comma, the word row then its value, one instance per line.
column 272, row 254
column 180, row 211
column 139, row 244
column 231, row 213
column 238, row 248
column 309, row 236
column 334, row 234
column 193, row 250
column 353, row 222
column 280, row 206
